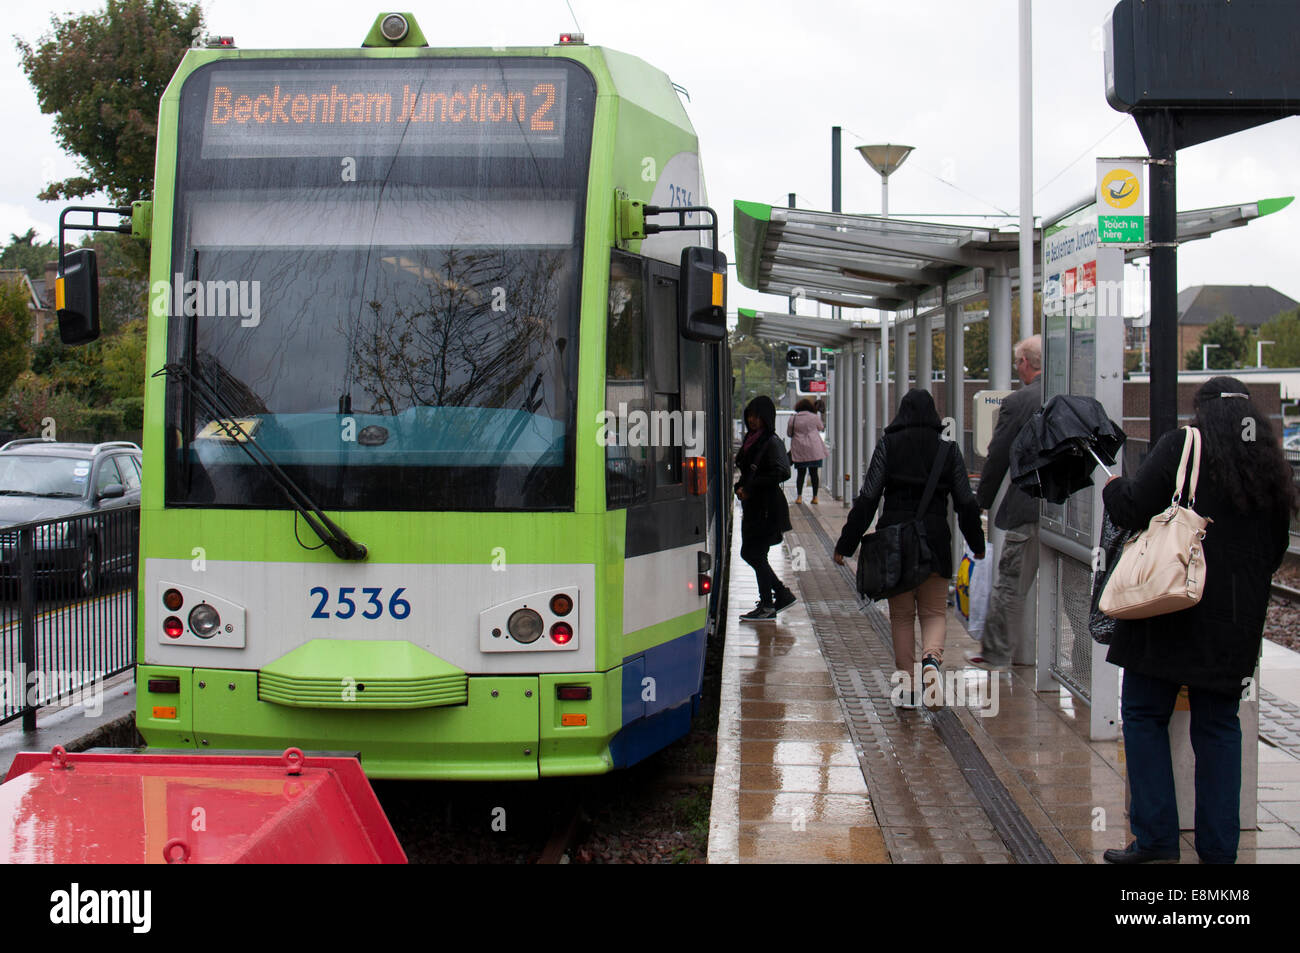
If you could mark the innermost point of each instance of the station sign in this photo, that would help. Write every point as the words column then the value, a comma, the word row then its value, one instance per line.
column 1121, row 201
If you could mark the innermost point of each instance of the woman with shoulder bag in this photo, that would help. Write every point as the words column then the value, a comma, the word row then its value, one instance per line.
column 807, row 449
column 1246, row 491
column 762, row 466
column 900, row 469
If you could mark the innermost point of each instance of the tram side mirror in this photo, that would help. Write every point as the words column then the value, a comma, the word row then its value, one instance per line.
column 76, row 294
column 702, row 295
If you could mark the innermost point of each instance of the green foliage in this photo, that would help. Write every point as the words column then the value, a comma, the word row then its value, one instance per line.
column 123, row 264
column 101, row 75
column 32, row 399
column 691, row 811
column 1284, row 332
column 1232, row 345
column 23, row 251
column 122, row 362
column 130, row 410
column 75, row 371
column 15, row 332
column 758, row 367
column 975, row 352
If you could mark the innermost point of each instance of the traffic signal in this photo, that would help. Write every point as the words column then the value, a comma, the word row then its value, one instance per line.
column 798, row 357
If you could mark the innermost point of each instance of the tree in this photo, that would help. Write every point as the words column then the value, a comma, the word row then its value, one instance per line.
column 758, row 367
column 975, row 351
column 15, row 332
column 101, row 76
column 1284, row 332
column 1231, row 345
column 23, row 251
column 122, row 357
column 123, row 264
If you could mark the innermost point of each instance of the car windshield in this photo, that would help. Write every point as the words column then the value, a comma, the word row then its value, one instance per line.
column 43, row 476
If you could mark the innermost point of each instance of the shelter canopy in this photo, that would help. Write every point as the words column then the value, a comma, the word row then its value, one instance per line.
column 865, row 261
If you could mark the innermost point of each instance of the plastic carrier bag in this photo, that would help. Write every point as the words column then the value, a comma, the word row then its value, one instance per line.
column 972, row 591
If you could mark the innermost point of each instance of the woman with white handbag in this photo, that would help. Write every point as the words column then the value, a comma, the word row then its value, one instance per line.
column 1217, row 561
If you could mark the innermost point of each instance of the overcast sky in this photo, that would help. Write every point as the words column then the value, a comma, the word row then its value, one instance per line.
column 767, row 81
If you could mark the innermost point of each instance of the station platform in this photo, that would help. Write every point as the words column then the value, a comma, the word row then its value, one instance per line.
column 816, row 764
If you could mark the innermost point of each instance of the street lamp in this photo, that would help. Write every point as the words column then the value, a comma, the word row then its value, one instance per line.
column 885, row 159
column 1205, row 356
column 1259, row 352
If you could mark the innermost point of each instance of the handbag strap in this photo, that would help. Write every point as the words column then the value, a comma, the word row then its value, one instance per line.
column 1191, row 448
column 940, row 459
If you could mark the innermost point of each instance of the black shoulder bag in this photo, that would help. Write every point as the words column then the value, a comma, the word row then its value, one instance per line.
column 897, row 558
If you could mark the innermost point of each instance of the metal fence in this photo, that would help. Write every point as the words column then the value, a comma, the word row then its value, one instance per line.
column 68, row 609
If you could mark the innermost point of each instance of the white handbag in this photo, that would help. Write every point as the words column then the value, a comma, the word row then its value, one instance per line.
column 1162, row 569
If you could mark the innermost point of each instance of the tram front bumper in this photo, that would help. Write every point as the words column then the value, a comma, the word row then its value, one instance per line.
column 510, row 728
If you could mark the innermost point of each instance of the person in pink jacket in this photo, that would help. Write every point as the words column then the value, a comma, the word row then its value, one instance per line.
column 807, row 449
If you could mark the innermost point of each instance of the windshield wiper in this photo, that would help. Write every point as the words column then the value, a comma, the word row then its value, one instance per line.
column 340, row 543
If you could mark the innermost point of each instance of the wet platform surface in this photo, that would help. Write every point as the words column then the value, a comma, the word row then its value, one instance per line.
column 816, row 764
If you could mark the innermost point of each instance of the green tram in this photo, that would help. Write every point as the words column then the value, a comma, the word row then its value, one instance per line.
column 436, row 441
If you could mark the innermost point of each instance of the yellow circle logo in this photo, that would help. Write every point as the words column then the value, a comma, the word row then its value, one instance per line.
column 1120, row 188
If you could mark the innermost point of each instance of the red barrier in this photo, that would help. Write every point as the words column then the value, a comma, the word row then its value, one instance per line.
column 201, row 808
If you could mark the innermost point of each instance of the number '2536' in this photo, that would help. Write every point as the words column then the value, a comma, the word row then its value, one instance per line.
column 371, row 603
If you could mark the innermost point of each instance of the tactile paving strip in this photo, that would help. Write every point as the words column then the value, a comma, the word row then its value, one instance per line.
column 1279, row 722
column 936, row 798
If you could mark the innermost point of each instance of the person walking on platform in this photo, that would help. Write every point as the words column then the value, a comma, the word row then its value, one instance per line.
column 1018, row 515
column 807, row 449
column 899, row 470
column 1246, row 490
column 762, row 466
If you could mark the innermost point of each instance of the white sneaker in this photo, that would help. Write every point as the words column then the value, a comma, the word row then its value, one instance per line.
column 979, row 661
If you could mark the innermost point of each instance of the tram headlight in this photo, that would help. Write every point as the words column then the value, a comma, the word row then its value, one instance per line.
column 204, row 621
column 394, row 28
column 525, row 625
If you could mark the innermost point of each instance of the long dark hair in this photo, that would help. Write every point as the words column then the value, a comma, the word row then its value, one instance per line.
column 1254, row 473
column 916, row 410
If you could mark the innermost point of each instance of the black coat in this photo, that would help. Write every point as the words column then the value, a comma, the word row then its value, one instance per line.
column 899, row 470
column 1215, row 644
column 1018, row 507
column 765, row 515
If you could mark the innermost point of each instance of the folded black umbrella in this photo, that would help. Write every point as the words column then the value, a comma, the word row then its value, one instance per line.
column 1058, row 448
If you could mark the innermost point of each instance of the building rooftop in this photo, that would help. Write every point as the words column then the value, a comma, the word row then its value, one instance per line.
column 1251, row 305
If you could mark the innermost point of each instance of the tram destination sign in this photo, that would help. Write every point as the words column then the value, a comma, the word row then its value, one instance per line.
column 1121, row 202
column 444, row 112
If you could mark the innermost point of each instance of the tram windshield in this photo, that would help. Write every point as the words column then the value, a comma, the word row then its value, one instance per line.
column 397, row 328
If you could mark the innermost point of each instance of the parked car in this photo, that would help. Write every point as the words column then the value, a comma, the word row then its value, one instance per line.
column 86, row 483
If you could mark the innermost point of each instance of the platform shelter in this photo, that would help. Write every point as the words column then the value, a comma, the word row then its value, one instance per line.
column 922, row 277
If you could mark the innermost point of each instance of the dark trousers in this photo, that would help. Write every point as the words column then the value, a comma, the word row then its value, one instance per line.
column 1146, row 706
column 769, row 585
column 799, row 470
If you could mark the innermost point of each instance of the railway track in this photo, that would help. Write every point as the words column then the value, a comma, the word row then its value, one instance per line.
column 1286, row 592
